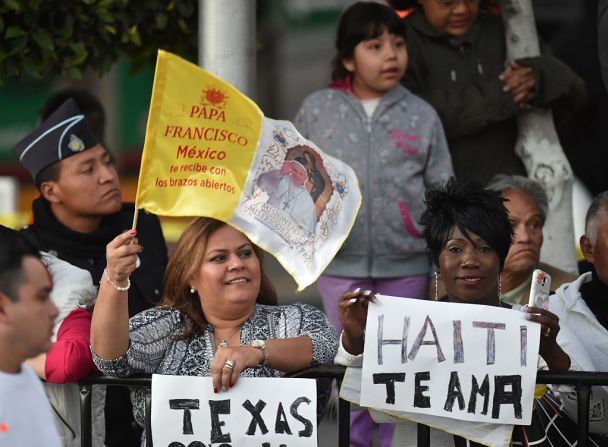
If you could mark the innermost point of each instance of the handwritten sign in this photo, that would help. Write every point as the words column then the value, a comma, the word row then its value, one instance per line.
column 256, row 412
column 461, row 361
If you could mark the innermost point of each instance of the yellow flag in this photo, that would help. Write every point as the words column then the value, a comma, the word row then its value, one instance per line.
column 209, row 151
column 201, row 137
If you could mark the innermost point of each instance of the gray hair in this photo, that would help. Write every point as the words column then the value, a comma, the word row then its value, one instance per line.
column 594, row 213
column 502, row 183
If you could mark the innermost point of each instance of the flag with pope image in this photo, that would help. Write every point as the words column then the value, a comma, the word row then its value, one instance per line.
column 210, row 151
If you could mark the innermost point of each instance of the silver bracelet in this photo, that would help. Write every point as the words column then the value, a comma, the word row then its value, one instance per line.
column 120, row 289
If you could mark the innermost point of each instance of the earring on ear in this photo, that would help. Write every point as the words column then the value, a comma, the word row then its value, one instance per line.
column 436, row 285
column 192, row 290
column 499, row 288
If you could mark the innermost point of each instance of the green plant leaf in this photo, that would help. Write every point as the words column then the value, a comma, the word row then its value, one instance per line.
column 44, row 39
column 75, row 72
column 34, row 5
column 80, row 53
column 14, row 31
column 161, row 21
column 12, row 4
column 17, row 45
column 134, row 35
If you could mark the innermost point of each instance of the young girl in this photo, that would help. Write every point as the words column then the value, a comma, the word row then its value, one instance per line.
column 395, row 143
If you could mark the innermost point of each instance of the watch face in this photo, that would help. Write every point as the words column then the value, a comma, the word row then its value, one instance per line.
column 257, row 343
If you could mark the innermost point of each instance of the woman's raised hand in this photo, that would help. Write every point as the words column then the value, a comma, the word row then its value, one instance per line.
column 352, row 310
column 121, row 256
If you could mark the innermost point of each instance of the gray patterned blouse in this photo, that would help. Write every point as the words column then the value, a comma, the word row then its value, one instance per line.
column 153, row 347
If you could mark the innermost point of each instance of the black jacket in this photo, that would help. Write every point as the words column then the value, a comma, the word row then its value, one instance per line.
column 87, row 250
column 459, row 77
column 602, row 40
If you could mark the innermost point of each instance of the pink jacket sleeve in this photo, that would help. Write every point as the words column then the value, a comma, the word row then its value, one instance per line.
column 69, row 359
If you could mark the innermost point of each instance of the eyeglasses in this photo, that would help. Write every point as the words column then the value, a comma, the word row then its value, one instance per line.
column 452, row 3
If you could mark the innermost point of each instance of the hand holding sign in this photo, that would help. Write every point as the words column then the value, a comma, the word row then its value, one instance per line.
column 352, row 310
column 229, row 362
column 549, row 350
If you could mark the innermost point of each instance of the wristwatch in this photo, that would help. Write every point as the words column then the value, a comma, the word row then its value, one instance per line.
column 261, row 345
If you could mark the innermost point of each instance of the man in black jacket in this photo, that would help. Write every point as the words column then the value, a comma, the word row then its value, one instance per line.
column 79, row 212
column 458, row 63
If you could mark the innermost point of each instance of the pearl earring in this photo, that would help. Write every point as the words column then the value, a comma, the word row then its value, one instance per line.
column 192, row 290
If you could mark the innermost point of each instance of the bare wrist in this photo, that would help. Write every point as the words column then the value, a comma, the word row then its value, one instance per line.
column 353, row 343
column 556, row 358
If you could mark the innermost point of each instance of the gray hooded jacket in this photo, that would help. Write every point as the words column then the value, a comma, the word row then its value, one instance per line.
column 398, row 154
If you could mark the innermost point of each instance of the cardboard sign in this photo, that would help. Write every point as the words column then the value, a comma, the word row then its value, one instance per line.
column 256, row 412
column 461, row 361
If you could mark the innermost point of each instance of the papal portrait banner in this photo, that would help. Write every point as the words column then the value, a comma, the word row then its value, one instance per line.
column 209, row 151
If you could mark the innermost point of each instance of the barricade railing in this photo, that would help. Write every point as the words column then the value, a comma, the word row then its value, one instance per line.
column 583, row 381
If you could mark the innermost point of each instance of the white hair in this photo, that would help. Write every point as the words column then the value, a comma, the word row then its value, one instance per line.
column 596, row 211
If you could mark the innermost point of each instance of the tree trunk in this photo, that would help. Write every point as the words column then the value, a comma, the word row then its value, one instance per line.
column 538, row 144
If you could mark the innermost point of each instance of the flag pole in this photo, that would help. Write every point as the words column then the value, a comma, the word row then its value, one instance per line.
column 135, row 214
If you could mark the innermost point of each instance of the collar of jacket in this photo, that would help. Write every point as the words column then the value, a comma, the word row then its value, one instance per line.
column 571, row 293
column 69, row 243
column 418, row 22
column 396, row 94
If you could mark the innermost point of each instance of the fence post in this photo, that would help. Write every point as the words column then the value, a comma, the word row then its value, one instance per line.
column 583, row 395
column 85, row 414
column 148, row 418
column 423, row 435
column 343, row 422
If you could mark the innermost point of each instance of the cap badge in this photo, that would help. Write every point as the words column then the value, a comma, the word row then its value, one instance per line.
column 75, row 144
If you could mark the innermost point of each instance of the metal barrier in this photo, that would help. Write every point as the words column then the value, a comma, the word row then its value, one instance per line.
column 582, row 380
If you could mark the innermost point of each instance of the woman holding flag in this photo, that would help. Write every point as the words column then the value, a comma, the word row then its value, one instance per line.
column 219, row 316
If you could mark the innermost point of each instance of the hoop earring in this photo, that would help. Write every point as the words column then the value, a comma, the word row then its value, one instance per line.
column 499, row 288
column 436, row 285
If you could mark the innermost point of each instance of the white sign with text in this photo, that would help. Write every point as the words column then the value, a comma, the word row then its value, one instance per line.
column 461, row 361
column 256, row 412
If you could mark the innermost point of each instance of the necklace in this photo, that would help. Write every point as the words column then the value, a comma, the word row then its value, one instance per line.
column 290, row 198
column 224, row 341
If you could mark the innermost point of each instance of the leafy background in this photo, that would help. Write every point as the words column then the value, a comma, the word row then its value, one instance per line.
column 65, row 37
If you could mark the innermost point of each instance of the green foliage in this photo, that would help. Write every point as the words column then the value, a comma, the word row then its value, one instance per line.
column 50, row 37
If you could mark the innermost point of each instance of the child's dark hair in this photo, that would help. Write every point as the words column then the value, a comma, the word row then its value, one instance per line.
column 362, row 21
column 470, row 208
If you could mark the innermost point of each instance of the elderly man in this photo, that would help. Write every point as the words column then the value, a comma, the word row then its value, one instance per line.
column 582, row 308
column 527, row 204
column 26, row 323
